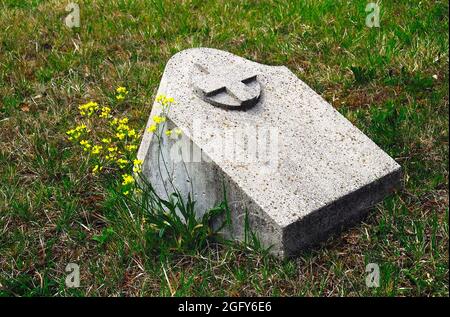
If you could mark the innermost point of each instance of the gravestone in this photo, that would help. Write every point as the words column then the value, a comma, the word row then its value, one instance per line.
column 294, row 169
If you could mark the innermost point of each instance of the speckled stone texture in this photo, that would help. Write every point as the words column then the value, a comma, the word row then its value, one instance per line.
column 318, row 175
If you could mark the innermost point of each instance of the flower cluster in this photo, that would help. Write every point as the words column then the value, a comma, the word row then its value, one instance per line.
column 88, row 108
column 110, row 142
column 121, row 92
column 105, row 112
column 127, row 183
column 158, row 121
column 165, row 101
column 77, row 132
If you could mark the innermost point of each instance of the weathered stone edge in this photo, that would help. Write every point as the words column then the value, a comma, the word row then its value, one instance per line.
column 343, row 213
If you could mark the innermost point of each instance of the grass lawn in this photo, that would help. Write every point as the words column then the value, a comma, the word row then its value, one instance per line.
column 391, row 82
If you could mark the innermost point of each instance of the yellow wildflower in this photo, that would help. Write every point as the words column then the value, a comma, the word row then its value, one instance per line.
column 131, row 147
column 106, row 140
column 122, row 163
column 158, row 119
column 112, row 153
column 178, row 131
column 132, row 133
column 137, row 165
column 160, row 98
column 121, row 93
column 96, row 169
column 122, row 127
column 168, row 132
column 77, row 132
column 105, row 112
column 71, row 134
column 120, row 135
column 114, row 121
column 152, row 128
column 85, row 144
column 122, row 90
column 127, row 179
column 96, row 149
column 165, row 101
column 137, row 169
column 88, row 108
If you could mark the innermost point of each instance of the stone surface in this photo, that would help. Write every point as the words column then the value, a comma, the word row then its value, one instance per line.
column 297, row 166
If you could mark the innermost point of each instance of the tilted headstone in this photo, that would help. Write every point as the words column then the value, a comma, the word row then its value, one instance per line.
column 287, row 159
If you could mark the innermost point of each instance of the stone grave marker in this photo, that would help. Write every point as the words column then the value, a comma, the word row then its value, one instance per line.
column 286, row 157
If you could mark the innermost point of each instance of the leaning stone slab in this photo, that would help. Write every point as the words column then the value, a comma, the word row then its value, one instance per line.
column 286, row 157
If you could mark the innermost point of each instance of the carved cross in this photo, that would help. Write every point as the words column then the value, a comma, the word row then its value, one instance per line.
column 230, row 87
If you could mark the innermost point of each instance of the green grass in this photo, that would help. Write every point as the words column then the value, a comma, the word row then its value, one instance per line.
column 391, row 82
